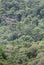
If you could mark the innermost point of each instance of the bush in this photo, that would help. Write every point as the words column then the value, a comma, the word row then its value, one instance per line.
column 32, row 51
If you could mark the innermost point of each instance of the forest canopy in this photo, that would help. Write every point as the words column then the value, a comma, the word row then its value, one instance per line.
column 21, row 32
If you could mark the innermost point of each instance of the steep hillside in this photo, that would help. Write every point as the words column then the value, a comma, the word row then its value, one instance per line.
column 21, row 32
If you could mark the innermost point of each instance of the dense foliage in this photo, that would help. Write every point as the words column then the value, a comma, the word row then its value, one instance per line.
column 21, row 32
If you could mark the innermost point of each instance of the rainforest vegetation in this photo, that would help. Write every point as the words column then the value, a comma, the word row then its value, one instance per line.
column 21, row 32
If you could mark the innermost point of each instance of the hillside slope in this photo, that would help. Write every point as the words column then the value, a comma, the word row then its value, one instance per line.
column 21, row 32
